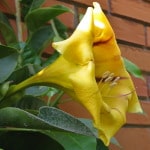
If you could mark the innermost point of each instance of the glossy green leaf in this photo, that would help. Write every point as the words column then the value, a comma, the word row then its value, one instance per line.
column 40, row 16
column 36, row 4
column 11, row 100
column 30, row 103
column 133, row 69
column 40, row 39
column 19, row 75
column 27, row 140
column 7, row 66
column 8, row 57
column 23, row 73
column 6, row 30
column 29, row 5
column 4, row 87
column 61, row 28
column 52, row 91
column 63, row 120
column 37, row 90
column 101, row 146
column 71, row 141
column 6, row 50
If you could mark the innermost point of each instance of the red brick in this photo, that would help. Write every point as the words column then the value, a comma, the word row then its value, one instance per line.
column 133, row 139
column 127, row 30
column 141, row 87
column 148, row 84
column 148, row 36
column 137, row 55
column 75, row 109
column 142, row 119
column 14, row 26
column 8, row 6
column 137, row 9
column 103, row 3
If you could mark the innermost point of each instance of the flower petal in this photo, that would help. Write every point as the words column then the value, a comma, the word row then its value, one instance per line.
column 117, row 89
column 107, row 57
column 78, row 47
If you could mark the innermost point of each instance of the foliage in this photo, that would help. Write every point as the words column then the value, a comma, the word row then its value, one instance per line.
column 31, row 115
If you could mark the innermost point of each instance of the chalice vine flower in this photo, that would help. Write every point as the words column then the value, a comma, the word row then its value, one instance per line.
column 90, row 69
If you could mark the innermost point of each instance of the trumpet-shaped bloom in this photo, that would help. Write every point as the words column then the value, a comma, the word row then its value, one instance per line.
column 91, row 70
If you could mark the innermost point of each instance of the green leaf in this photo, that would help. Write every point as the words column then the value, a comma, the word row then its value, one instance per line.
column 19, row 75
column 27, row 140
column 4, row 87
column 40, row 39
column 37, row 90
column 8, row 57
column 71, row 141
column 52, row 91
column 30, row 103
column 7, row 66
column 36, row 4
column 63, row 120
column 6, row 30
column 89, row 124
column 133, row 69
column 101, row 146
column 49, row 119
column 11, row 100
column 18, row 118
column 6, row 50
column 29, row 5
column 61, row 28
column 23, row 73
column 40, row 16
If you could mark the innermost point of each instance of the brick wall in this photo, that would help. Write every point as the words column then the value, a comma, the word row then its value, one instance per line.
column 130, row 20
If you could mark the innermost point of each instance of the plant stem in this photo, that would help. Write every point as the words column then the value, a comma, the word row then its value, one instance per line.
column 54, row 28
column 57, row 36
column 60, row 94
column 49, row 101
column 18, row 20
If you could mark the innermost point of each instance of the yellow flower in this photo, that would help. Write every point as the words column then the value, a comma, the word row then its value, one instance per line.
column 117, row 92
column 115, row 84
column 74, row 70
column 91, row 70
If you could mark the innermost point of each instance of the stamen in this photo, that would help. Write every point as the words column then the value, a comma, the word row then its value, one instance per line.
column 106, row 74
column 108, row 79
column 113, row 84
column 111, row 75
column 116, row 79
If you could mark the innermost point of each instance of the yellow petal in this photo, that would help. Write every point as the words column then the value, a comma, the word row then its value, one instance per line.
column 108, row 57
column 116, row 88
column 78, row 47
column 102, row 28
